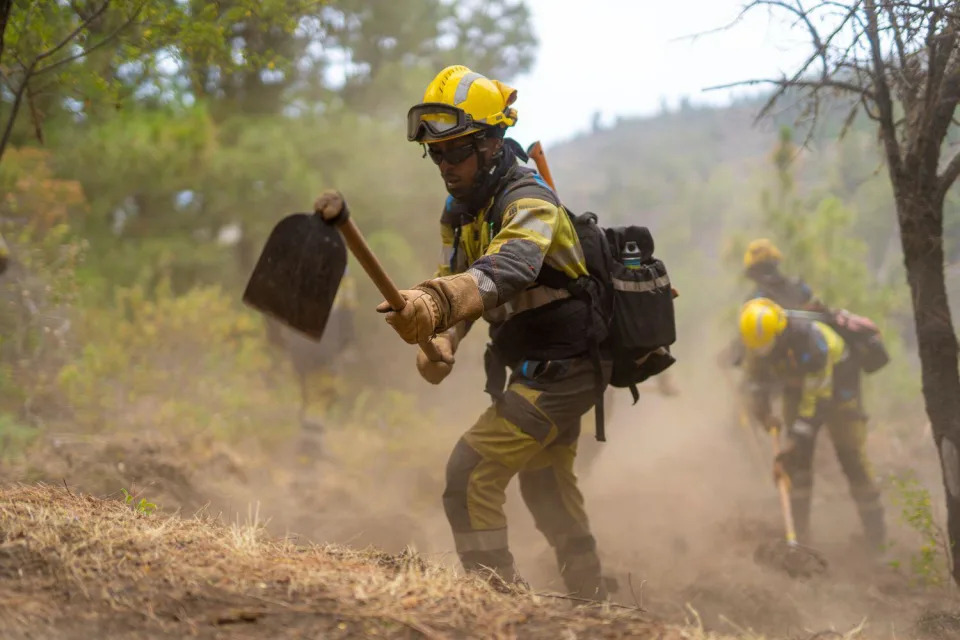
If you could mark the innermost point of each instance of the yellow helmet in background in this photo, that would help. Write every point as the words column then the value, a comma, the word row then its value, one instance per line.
column 459, row 102
column 761, row 322
column 760, row 251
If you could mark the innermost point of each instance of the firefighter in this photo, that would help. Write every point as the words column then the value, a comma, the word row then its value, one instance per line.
column 820, row 382
column 761, row 265
column 503, row 233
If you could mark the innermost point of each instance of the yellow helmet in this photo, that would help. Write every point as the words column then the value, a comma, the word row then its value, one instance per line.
column 761, row 251
column 459, row 102
column 761, row 322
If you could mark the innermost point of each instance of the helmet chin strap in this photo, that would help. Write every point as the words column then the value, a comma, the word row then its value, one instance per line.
column 484, row 178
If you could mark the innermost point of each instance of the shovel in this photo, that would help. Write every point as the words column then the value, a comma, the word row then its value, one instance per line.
column 535, row 152
column 788, row 555
column 298, row 273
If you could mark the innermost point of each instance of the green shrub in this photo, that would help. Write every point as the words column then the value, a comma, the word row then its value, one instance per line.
column 188, row 364
column 929, row 561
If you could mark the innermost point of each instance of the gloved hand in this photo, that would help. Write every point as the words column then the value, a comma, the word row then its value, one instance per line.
column 435, row 372
column 797, row 446
column 784, row 461
column 771, row 422
column 330, row 204
column 417, row 321
column 435, row 305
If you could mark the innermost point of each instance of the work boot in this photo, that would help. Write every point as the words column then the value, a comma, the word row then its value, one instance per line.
column 585, row 581
column 580, row 568
column 501, row 584
column 495, row 567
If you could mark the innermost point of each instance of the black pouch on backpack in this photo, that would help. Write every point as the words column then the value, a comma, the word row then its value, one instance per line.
column 643, row 325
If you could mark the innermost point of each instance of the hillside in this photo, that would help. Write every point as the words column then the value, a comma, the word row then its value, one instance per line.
column 75, row 566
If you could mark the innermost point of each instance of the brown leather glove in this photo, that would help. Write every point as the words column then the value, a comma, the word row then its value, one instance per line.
column 436, row 372
column 457, row 297
column 784, row 461
column 772, row 422
column 417, row 321
column 435, row 305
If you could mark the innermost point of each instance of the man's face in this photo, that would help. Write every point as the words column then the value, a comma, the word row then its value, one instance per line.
column 458, row 162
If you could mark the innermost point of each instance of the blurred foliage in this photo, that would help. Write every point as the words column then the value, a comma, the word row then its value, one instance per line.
column 186, row 364
column 86, row 59
column 40, row 289
column 176, row 134
column 15, row 436
column 930, row 560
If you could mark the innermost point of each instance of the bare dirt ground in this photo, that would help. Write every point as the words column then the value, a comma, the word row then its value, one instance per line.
column 677, row 504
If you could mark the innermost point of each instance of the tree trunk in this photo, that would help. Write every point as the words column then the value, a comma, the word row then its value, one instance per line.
column 6, row 6
column 921, row 234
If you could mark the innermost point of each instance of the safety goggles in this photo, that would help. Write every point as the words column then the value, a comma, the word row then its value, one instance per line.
column 435, row 121
column 451, row 156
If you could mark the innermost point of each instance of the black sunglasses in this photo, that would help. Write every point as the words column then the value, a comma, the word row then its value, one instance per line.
column 451, row 156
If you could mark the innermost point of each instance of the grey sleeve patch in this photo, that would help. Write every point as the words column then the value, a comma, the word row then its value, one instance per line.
column 512, row 269
column 528, row 219
column 488, row 290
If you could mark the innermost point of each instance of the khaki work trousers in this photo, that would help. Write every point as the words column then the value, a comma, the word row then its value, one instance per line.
column 847, row 425
column 531, row 433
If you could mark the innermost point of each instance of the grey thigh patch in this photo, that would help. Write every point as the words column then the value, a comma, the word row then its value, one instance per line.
column 463, row 460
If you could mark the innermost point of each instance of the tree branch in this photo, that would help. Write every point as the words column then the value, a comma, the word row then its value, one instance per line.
column 106, row 39
column 884, row 102
column 907, row 96
column 73, row 34
column 34, row 114
column 949, row 175
column 6, row 6
column 804, row 16
column 15, row 107
column 802, row 84
column 947, row 98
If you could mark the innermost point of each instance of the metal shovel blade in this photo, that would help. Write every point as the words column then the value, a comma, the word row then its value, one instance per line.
column 796, row 560
column 298, row 273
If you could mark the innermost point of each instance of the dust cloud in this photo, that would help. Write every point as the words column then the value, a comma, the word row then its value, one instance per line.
column 679, row 497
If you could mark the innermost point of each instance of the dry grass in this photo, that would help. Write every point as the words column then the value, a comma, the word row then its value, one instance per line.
column 75, row 566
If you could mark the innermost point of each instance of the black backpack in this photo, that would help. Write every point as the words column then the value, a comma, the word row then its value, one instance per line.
column 861, row 335
column 631, row 296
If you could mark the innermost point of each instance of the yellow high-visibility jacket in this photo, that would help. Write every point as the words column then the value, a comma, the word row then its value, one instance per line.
column 533, row 232
column 803, row 363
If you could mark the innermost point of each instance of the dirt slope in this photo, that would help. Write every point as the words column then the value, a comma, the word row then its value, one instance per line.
column 75, row 566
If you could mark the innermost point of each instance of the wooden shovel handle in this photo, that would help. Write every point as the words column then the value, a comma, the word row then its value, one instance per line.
column 783, row 486
column 361, row 251
column 535, row 151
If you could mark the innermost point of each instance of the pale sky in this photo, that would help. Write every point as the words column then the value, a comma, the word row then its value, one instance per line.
column 625, row 57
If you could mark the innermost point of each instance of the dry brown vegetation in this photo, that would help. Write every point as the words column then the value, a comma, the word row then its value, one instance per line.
column 73, row 566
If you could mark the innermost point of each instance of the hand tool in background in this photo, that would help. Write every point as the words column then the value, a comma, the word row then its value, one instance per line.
column 788, row 555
